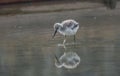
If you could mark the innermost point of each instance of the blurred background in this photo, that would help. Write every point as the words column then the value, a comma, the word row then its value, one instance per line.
column 106, row 2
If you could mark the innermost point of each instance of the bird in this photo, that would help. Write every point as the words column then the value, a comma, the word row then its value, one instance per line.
column 67, row 27
column 68, row 60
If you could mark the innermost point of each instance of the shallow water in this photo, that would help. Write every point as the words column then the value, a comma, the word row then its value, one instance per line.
column 26, row 47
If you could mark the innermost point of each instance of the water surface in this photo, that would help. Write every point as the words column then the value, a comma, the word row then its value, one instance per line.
column 26, row 47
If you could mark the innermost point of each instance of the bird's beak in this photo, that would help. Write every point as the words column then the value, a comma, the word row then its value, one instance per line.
column 54, row 33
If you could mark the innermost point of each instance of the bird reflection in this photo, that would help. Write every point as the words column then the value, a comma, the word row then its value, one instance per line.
column 69, row 60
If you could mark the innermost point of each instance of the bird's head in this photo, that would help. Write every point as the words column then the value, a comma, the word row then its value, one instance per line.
column 56, row 28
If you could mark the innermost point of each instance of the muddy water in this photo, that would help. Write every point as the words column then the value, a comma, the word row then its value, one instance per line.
column 26, row 47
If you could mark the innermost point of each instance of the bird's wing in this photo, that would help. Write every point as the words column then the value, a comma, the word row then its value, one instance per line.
column 68, row 24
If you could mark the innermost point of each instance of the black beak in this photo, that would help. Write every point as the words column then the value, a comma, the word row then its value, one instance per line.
column 54, row 33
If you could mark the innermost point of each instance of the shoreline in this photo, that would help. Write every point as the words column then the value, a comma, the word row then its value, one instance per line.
column 49, row 7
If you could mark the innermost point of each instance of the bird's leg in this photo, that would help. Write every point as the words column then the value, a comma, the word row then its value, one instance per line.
column 74, row 38
column 64, row 40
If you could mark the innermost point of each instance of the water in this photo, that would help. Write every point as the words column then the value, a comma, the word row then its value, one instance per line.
column 26, row 47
